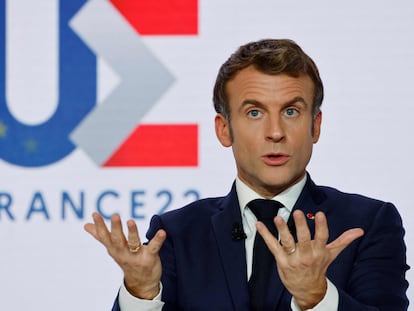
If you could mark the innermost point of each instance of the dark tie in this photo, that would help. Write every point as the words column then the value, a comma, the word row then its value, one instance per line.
column 263, row 260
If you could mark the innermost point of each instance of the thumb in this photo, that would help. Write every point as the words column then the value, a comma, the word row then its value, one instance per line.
column 346, row 238
column 156, row 242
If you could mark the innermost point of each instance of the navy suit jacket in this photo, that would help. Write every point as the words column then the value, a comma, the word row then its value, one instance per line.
column 205, row 269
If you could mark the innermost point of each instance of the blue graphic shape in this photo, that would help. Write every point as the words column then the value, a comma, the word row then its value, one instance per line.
column 46, row 143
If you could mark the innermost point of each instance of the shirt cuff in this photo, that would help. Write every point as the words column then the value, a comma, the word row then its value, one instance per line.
column 128, row 302
column 328, row 303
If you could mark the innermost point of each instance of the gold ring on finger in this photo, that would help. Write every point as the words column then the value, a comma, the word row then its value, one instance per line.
column 134, row 249
column 291, row 251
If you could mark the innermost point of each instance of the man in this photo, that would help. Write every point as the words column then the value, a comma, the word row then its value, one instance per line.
column 200, row 257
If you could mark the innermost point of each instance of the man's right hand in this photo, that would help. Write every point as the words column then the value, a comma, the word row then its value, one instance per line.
column 141, row 264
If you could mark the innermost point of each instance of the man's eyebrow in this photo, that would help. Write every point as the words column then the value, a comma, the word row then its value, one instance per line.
column 297, row 99
column 252, row 102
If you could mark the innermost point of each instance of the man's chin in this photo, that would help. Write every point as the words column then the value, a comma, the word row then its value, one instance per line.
column 279, row 183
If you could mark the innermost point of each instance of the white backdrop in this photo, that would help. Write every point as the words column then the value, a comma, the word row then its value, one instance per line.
column 365, row 53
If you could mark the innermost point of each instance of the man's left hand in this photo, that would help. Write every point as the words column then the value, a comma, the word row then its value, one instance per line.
column 302, row 265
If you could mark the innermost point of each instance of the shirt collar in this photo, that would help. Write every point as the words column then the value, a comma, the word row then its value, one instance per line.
column 288, row 197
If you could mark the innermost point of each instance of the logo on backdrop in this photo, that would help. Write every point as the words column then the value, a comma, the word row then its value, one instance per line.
column 110, row 133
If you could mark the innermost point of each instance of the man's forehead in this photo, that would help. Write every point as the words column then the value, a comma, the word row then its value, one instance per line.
column 249, row 84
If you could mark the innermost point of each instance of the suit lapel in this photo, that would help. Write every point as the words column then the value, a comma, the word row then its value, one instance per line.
column 232, row 252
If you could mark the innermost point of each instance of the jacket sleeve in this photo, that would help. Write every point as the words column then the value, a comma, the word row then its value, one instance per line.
column 377, row 280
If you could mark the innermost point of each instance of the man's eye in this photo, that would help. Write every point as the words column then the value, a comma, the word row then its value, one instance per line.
column 291, row 112
column 254, row 113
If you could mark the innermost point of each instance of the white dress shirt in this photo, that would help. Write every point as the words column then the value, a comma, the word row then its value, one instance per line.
column 288, row 198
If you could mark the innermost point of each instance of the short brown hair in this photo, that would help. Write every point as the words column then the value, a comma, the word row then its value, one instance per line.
column 270, row 56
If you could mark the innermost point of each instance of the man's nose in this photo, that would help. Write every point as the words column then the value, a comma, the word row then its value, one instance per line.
column 275, row 129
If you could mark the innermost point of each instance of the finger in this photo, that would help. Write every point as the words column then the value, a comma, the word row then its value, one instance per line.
column 302, row 229
column 99, row 230
column 286, row 238
column 117, row 234
column 156, row 242
column 91, row 229
column 270, row 240
column 321, row 229
column 346, row 238
column 133, row 235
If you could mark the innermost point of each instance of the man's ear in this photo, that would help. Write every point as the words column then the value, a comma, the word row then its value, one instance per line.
column 222, row 128
column 317, row 121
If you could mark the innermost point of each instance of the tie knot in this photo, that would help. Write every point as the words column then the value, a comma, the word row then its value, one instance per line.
column 265, row 209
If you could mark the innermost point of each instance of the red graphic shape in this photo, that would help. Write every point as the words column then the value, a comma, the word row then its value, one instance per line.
column 160, row 17
column 158, row 145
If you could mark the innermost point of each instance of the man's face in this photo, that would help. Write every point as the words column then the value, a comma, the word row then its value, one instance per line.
column 271, row 126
